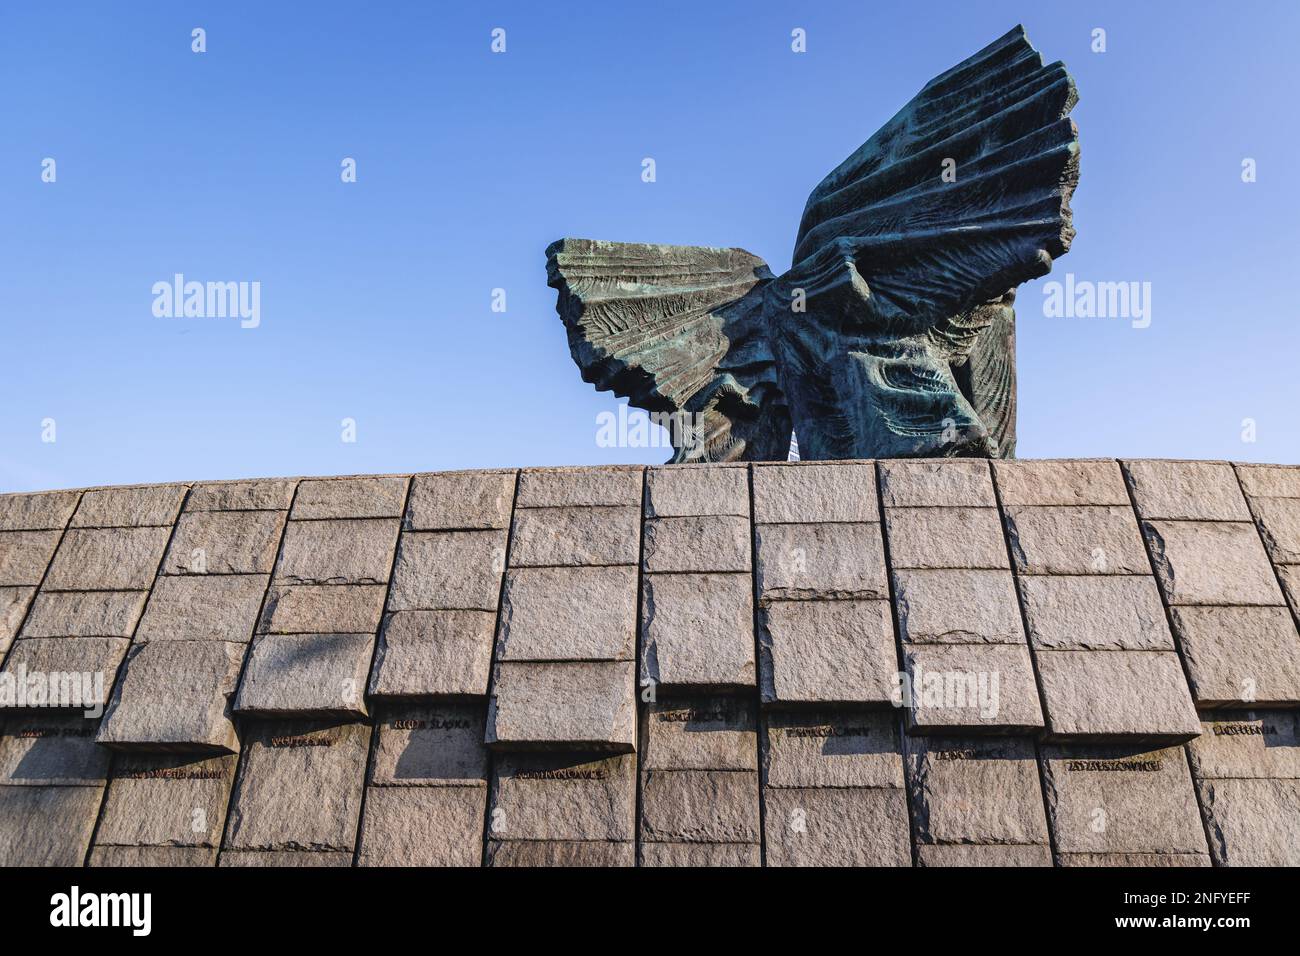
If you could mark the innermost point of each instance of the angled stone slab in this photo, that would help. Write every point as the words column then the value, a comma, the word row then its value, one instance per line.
column 1252, row 744
column 380, row 497
column 1187, row 490
column 224, row 542
column 43, row 510
column 960, row 606
column 564, row 797
column 1121, row 799
column 299, row 787
column 683, row 490
column 832, row 749
column 970, row 688
column 549, row 537
column 699, row 544
column 166, row 801
column 698, row 631
column 815, row 492
column 431, row 745
column 827, row 652
column 448, row 570
column 945, row 538
column 1115, row 695
column 84, row 614
column 570, row 706
column 811, row 561
column 1211, row 562
column 700, row 733
column 975, row 790
column 988, row 854
column 13, row 608
column 285, row 859
column 461, row 500
column 175, row 695
column 1253, row 822
column 434, row 654
column 699, row 806
column 24, row 556
column 422, row 826
column 1134, row 859
column 1289, row 576
column 347, row 551
column 107, row 559
column 306, row 675
column 47, row 826
column 77, row 672
column 1095, row 612
column 560, row 853
column 153, row 856
column 322, row 609
column 555, row 614
column 43, row 749
column 1240, row 656
column 936, row 482
column 1279, row 527
column 1079, row 482
column 858, row 826
column 713, row 855
column 583, row 487
column 129, row 507
column 262, row 494
column 203, row 608
column 1269, row 481
column 1078, row 540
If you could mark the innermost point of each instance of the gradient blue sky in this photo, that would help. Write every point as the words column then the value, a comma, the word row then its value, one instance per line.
column 376, row 295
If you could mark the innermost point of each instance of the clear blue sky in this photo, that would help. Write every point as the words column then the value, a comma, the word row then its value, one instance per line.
column 375, row 301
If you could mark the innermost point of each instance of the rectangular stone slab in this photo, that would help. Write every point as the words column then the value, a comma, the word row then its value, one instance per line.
column 47, row 826
column 808, row 492
column 448, row 570
column 700, row 733
column 707, row 543
column 434, row 654
column 262, row 494
column 1187, row 490
column 154, row 856
column 971, row 688
column 348, row 551
column 323, row 609
column 79, row 671
column 1211, row 562
column 380, row 497
column 699, row 806
column 1269, row 481
column 44, row 749
column 560, row 853
column 563, row 797
column 306, row 675
column 129, row 507
column 1082, row 540
column 431, row 745
column 1079, row 482
column 555, row 614
column 716, row 855
column 422, row 826
column 1253, row 822
column 461, row 500
column 84, row 614
column 36, row 512
column 945, row 538
column 24, row 556
column 858, row 826
column 584, row 487
column 162, row 800
column 1240, row 656
column 680, row 490
column 1252, row 744
column 1133, row 859
column 827, row 652
column 975, row 854
column 958, row 607
column 1278, row 520
column 571, row 706
column 697, row 631
column 224, row 542
column 106, row 559
column 1095, row 612
column 285, row 858
column 930, row 483
column 551, row 537
column 832, row 749
column 220, row 607
column 820, row 561
column 14, row 603
column 299, row 786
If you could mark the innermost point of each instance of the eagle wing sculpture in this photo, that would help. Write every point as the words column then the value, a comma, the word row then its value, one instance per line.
column 893, row 334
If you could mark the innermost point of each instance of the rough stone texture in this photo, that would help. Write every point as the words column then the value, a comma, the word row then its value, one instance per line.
column 700, row 733
column 1279, row 526
column 800, row 562
column 1116, row 694
column 306, row 675
column 710, row 543
column 265, row 494
column 827, row 652
column 560, row 853
column 299, row 787
column 351, row 551
column 574, row 706
column 1248, row 745
column 685, row 490
column 428, row 654
column 1269, row 481
column 106, row 559
column 1098, row 612
column 98, row 657
column 1082, row 540
column 13, row 608
column 1289, row 575
column 448, row 570
column 175, row 695
column 323, row 609
column 563, row 797
column 1121, row 799
column 84, row 614
column 460, row 501
column 975, row 790
column 431, row 745
column 585, row 487
column 1134, row 859
column 858, row 826
column 224, row 542
column 832, row 749
column 815, row 493
column 971, row 688
column 699, row 806
column 920, row 483
column 1080, row 482
column 285, row 858
column 988, row 854
column 46, row 826
column 129, row 507
column 701, row 854
column 573, row 614
column 24, row 556
column 155, row 856
column 422, row 826
column 546, row 537
column 698, row 630
column 1199, row 562
column 175, row 801
column 945, row 538
column 1187, row 490
column 44, row 749
column 382, row 497
column 37, row 512
column 1253, row 822
column 203, row 608
column 1240, row 656
column 959, row 607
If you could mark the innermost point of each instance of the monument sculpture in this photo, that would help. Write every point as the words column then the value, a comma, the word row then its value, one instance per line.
column 893, row 334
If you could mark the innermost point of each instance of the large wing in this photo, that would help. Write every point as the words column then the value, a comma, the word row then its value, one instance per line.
column 929, row 247
column 677, row 330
